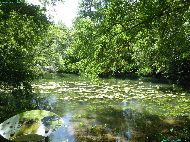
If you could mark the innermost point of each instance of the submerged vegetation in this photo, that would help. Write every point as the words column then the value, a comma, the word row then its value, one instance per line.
column 142, row 43
column 116, row 110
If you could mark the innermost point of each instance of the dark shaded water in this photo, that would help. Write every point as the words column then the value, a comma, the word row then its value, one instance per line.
column 115, row 110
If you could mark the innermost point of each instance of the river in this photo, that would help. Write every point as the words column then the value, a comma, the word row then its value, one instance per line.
column 134, row 110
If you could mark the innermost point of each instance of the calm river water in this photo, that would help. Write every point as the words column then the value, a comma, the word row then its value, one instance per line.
column 137, row 110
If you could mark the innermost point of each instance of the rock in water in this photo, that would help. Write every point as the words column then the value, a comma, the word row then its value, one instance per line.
column 31, row 125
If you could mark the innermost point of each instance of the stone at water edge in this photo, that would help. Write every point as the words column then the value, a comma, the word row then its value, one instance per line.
column 30, row 125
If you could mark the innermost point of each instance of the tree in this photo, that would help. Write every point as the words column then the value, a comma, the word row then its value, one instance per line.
column 22, row 27
column 51, row 50
column 148, row 37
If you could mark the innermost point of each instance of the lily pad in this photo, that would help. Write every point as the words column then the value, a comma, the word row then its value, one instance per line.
column 30, row 125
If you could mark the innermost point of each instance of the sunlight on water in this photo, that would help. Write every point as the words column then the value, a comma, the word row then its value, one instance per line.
column 117, row 110
column 30, row 125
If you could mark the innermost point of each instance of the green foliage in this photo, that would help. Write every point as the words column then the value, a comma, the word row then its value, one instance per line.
column 109, row 37
column 51, row 49
column 22, row 27
column 144, row 37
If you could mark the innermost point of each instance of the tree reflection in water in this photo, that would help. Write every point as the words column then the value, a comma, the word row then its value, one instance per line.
column 115, row 124
column 17, row 101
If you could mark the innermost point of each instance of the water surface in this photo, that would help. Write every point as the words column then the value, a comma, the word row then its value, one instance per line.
column 116, row 110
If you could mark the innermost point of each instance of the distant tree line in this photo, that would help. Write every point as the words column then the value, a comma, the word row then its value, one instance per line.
column 144, row 37
column 108, row 38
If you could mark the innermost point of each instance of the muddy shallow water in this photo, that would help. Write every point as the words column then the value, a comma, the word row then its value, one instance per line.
column 116, row 110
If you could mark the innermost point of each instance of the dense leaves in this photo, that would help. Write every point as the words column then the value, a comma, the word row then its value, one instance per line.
column 147, row 37
column 21, row 29
column 109, row 37
column 51, row 49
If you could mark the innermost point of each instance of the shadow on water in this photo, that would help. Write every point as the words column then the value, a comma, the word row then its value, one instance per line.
column 131, row 110
column 115, row 124
column 13, row 102
column 117, row 110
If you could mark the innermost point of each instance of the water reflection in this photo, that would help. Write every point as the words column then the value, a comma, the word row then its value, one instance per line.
column 66, row 132
column 123, row 111
column 31, row 125
column 16, row 101
column 116, row 123
column 116, row 111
